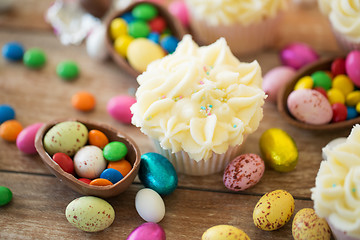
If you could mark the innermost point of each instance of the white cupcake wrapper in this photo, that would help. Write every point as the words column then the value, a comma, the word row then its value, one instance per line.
column 338, row 234
column 184, row 164
column 345, row 43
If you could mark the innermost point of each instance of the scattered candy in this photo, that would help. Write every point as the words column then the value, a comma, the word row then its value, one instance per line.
column 25, row 141
column 10, row 129
column 5, row 195
column 147, row 230
column 179, row 10
column 273, row 210
column 119, row 108
column 96, row 44
column 297, row 55
column 100, row 182
column 65, row 162
column 98, row 138
column 89, row 162
column 149, row 205
column 67, row 70
column 352, row 66
column 115, row 151
column 83, row 101
column 34, row 58
column 6, row 113
column 112, row 175
column 123, row 166
column 13, row 51
column 224, row 232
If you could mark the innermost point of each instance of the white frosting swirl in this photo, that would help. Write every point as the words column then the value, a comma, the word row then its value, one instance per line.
column 325, row 6
column 227, row 12
column 337, row 188
column 199, row 99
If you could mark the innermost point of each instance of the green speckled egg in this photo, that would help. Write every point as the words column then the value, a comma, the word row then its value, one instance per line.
column 224, row 232
column 90, row 214
column 66, row 137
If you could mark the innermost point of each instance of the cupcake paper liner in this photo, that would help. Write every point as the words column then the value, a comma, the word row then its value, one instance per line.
column 338, row 234
column 345, row 43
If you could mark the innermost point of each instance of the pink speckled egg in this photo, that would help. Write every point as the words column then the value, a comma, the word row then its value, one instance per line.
column 275, row 79
column 309, row 106
column 119, row 108
column 243, row 172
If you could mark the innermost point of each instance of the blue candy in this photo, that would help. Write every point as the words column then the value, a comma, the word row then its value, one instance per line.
column 13, row 51
column 128, row 17
column 154, row 36
column 351, row 113
column 6, row 113
column 169, row 43
column 112, row 175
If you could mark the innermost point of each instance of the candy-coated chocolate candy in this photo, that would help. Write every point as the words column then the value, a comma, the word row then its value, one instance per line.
column 338, row 67
column 321, row 90
column 351, row 113
column 139, row 29
column 352, row 66
column 115, row 151
column 96, row 44
column 119, row 108
column 149, row 205
column 67, row 70
column 305, row 82
column 100, row 182
column 123, row 166
column 321, row 79
column 89, row 162
column 5, row 195
column 357, row 107
column 297, row 55
column 13, row 51
column 335, row 96
column 353, row 98
column 34, row 58
column 6, row 113
column 164, row 35
column 118, row 27
column 141, row 52
column 243, row 172
column 147, row 230
column 144, row 11
column 339, row 112
column 128, row 17
column 169, row 43
column 85, row 180
column 98, row 138
column 157, row 172
column 10, row 129
column 179, row 10
column 155, row 37
column 112, row 175
column 224, row 232
column 25, row 141
column 278, row 150
column 65, row 162
column 83, row 101
column 157, row 25
column 122, row 43
column 343, row 83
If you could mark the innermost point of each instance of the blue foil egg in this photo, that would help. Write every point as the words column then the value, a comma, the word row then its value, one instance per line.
column 157, row 172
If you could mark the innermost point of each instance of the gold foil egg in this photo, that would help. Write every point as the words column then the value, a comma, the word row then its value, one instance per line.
column 279, row 150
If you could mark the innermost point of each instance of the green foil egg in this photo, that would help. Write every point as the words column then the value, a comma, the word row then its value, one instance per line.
column 279, row 150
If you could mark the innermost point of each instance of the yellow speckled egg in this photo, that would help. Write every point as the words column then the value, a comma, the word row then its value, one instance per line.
column 273, row 210
column 224, row 232
column 307, row 225
column 141, row 52
column 90, row 214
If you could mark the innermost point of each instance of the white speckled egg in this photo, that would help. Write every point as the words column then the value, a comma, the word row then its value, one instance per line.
column 66, row 137
column 89, row 162
column 150, row 205
column 307, row 225
column 309, row 106
column 90, row 214
column 224, row 232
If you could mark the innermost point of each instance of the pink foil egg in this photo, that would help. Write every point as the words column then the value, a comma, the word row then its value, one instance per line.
column 275, row 79
column 297, row 55
column 119, row 108
column 25, row 141
column 179, row 10
column 352, row 65
column 147, row 231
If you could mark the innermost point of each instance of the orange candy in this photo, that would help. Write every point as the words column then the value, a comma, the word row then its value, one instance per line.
column 122, row 166
column 100, row 182
column 9, row 130
column 98, row 138
column 83, row 101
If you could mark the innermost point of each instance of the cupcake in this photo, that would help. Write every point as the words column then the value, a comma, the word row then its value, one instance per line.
column 198, row 105
column 336, row 193
column 248, row 26
column 344, row 17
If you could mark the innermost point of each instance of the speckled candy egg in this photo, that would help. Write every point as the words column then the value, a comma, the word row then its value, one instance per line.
column 66, row 137
column 309, row 106
column 307, row 225
column 89, row 162
column 224, row 232
column 273, row 210
column 90, row 214
column 243, row 172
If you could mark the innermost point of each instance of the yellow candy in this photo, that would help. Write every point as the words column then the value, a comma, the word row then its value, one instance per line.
column 122, row 43
column 224, row 232
column 164, row 35
column 343, row 83
column 304, row 83
column 357, row 108
column 141, row 52
column 335, row 96
column 118, row 27
column 353, row 98
column 279, row 150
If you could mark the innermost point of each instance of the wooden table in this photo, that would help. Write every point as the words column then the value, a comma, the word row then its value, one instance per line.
column 39, row 199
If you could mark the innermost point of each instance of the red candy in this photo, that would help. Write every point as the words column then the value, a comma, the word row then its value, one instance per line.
column 85, row 180
column 338, row 67
column 158, row 25
column 339, row 112
column 321, row 90
column 65, row 162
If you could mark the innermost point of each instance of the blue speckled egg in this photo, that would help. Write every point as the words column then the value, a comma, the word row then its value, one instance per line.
column 156, row 172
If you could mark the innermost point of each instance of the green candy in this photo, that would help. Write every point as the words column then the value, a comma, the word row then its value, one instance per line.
column 139, row 29
column 34, row 58
column 5, row 195
column 67, row 70
column 144, row 11
column 115, row 151
column 321, row 79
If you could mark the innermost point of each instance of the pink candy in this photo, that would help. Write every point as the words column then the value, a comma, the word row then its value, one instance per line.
column 297, row 55
column 179, row 10
column 353, row 67
column 119, row 108
column 25, row 141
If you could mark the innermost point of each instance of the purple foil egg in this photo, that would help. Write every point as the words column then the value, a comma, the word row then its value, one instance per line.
column 297, row 55
column 147, row 231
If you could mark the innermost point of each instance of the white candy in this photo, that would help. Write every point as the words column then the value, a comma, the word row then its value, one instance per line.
column 95, row 44
column 150, row 205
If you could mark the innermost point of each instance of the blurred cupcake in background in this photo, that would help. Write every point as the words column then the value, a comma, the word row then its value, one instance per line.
column 344, row 17
column 248, row 25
